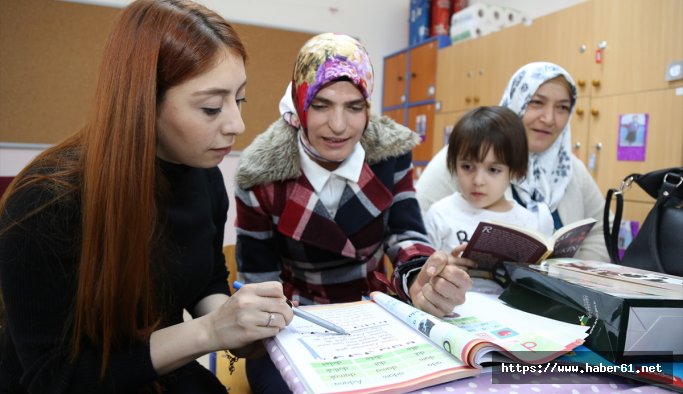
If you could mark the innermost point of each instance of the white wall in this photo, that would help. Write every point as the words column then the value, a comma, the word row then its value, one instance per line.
column 13, row 157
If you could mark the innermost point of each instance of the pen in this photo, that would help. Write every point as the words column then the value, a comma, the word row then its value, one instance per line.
column 305, row 315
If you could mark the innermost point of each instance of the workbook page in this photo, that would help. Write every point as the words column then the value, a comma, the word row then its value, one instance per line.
column 484, row 324
column 380, row 353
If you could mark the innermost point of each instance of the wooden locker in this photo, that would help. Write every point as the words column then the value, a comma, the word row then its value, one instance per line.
column 422, row 73
column 580, row 126
column 421, row 120
column 664, row 138
column 397, row 114
column 395, row 80
column 641, row 38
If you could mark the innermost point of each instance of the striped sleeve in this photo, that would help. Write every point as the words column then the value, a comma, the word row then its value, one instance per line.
column 407, row 244
column 256, row 253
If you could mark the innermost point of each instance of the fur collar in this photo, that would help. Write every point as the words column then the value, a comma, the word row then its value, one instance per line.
column 274, row 154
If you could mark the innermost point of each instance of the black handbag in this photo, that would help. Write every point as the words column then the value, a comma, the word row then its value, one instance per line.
column 658, row 246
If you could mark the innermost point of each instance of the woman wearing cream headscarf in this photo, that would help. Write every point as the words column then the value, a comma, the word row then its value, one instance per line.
column 320, row 201
column 558, row 187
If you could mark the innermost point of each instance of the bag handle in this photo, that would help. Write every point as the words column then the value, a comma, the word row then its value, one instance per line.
column 654, row 234
column 612, row 236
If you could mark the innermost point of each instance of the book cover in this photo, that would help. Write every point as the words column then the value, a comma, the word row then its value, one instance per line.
column 629, row 278
column 624, row 325
column 492, row 243
column 394, row 347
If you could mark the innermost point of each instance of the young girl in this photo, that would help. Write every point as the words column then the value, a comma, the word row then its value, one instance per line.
column 487, row 150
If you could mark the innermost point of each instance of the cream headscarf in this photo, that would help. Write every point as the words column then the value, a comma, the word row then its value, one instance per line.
column 549, row 171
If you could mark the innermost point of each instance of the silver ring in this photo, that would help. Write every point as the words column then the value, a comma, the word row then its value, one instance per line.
column 270, row 319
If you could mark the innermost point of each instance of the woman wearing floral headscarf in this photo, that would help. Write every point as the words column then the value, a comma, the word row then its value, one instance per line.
column 557, row 187
column 319, row 204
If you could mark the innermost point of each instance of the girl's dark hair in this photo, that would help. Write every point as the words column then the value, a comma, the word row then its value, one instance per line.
column 485, row 128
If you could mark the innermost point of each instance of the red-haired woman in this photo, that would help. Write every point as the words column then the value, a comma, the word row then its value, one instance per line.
column 106, row 237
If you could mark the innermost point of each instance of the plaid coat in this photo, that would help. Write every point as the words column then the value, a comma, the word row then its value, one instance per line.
column 285, row 233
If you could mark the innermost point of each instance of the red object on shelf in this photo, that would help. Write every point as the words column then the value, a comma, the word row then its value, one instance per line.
column 441, row 17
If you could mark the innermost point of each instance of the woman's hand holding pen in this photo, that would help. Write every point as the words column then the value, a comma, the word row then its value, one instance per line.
column 440, row 285
column 256, row 312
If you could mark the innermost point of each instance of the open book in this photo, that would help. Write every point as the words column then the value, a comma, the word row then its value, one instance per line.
column 492, row 243
column 394, row 347
column 616, row 276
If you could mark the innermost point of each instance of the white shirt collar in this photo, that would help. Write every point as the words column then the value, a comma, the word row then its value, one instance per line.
column 349, row 169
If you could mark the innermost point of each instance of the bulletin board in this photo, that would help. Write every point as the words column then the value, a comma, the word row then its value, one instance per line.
column 50, row 53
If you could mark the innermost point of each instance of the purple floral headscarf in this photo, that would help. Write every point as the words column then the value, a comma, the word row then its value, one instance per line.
column 326, row 58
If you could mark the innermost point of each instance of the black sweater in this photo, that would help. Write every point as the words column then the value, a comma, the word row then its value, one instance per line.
column 38, row 266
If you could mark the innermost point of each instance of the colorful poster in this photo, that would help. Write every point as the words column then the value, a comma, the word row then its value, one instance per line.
column 632, row 137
